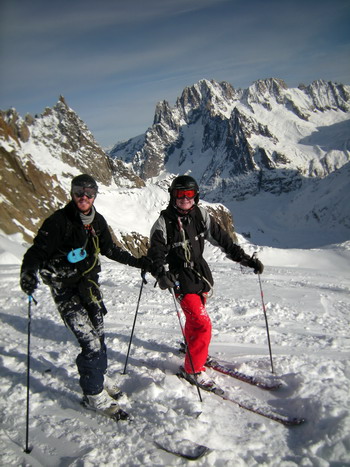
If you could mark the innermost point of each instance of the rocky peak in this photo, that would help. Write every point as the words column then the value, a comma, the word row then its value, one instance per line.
column 62, row 100
column 206, row 97
column 268, row 87
column 259, row 133
column 39, row 156
column 263, row 92
column 13, row 127
column 165, row 116
column 328, row 95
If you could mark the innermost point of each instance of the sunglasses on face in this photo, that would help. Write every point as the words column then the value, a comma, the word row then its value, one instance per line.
column 189, row 194
column 79, row 192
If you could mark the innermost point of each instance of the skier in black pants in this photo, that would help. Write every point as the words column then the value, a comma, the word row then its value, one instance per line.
column 65, row 252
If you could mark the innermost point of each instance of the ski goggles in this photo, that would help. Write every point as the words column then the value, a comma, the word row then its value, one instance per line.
column 79, row 192
column 189, row 194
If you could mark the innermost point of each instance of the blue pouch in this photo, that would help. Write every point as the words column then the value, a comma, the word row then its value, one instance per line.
column 76, row 255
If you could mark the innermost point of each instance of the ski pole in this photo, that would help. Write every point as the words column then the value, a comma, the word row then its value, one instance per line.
column 267, row 324
column 30, row 299
column 143, row 281
column 186, row 344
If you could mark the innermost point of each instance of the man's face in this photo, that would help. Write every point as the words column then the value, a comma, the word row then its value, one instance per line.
column 184, row 204
column 84, row 198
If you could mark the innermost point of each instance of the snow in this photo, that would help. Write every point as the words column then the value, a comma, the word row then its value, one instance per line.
column 306, row 294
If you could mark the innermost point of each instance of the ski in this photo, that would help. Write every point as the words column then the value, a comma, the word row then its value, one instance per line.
column 183, row 448
column 285, row 420
column 254, row 380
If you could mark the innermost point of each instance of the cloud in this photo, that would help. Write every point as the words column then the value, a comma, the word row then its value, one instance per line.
column 83, row 16
column 138, row 52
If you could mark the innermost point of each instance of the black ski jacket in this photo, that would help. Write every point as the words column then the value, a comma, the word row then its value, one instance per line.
column 63, row 232
column 184, row 255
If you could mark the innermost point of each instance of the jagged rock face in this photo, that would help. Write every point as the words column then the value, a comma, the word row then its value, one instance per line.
column 68, row 139
column 224, row 218
column 239, row 142
column 29, row 195
column 326, row 96
column 33, row 150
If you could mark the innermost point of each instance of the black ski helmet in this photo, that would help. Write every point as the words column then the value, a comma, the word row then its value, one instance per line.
column 85, row 181
column 184, row 182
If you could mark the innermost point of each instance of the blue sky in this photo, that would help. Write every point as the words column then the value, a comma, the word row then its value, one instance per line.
column 113, row 60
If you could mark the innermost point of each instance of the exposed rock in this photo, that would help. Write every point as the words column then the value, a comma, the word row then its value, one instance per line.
column 224, row 218
column 29, row 192
column 29, row 195
column 240, row 142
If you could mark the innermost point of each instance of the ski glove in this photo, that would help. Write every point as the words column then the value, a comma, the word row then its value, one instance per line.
column 28, row 281
column 253, row 263
column 166, row 281
column 145, row 264
column 157, row 270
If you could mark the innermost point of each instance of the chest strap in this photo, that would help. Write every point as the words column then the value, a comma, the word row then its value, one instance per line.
column 186, row 245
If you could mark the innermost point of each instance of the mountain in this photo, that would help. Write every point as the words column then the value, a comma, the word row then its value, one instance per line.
column 268, row 154
column 264, row 139
column 240, row 142
column 39, row 157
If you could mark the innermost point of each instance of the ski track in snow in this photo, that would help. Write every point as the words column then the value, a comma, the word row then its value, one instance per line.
column 308, row 315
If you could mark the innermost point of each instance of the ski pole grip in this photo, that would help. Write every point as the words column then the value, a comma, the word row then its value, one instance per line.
column 143, row 275
column 31, row 298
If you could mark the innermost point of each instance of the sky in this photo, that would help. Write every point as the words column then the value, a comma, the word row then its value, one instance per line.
column 113, row 60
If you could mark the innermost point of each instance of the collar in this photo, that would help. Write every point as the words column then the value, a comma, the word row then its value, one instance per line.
column 88, row 218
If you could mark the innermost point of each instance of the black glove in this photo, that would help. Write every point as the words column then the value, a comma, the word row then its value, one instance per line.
column 254, row 263
column 166, row 281
column 157, row 270
column 28, row 281
column 145, row 264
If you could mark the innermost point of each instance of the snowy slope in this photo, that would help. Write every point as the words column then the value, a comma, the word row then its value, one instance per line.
column 317, row 214
column 307, row 301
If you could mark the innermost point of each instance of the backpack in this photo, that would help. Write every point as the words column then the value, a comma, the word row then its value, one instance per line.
column 190, row 263
column 170, row 228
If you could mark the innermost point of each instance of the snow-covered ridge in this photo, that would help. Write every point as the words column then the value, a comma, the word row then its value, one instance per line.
column 220, row 133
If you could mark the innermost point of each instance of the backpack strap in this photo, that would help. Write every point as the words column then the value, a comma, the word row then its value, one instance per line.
column 172, row 224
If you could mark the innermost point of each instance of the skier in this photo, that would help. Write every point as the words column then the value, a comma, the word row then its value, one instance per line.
column 177, row 239
column 65, row 252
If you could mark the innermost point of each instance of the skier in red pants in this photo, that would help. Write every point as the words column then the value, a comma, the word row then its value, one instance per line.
column 177, row 239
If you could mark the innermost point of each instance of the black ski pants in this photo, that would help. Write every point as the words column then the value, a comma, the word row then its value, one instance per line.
column 82, row 313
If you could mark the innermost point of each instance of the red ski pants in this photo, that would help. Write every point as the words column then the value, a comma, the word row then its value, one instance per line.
column 197, row 331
